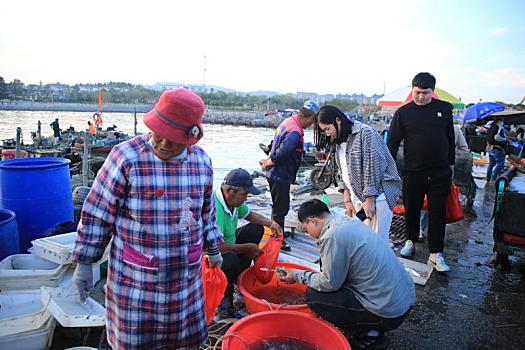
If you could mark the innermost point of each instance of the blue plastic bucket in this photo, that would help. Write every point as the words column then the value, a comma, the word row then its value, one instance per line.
column 8, row 234
column 38, row 190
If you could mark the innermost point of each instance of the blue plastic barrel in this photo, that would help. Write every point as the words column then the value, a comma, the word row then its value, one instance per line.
column 8, row 234
column 38, row 190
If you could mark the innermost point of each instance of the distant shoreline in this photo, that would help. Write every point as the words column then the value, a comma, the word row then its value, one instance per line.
column 254, row 119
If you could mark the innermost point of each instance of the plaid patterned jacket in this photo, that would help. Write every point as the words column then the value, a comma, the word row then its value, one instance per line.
column 371, row 168
column 159, row 213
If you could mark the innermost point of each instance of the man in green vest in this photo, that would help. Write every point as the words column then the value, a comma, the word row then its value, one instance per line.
column 241, row 245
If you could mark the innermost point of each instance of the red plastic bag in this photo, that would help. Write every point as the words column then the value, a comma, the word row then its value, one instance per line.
column 214, row 284
column 399, row 210
column 454, row 211
column 268, row 260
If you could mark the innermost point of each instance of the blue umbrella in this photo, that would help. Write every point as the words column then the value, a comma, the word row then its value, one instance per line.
column 481, row 110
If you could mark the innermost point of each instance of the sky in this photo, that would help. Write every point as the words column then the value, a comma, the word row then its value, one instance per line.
column 476, row 49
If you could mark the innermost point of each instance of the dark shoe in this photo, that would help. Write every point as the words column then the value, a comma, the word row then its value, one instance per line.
column 285, row 247
column 223, row 314
column 287, row 234
column 225, row 309
column 380, row 342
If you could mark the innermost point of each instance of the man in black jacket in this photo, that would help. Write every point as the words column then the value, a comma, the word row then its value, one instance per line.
column 425, row 125
column 497, row 139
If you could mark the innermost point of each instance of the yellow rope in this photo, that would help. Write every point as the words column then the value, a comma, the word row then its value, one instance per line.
column 215, row 333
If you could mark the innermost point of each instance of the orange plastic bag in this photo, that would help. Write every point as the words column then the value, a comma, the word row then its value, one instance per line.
column 214, row 284
column 268, row 260
column 454, row 210
column 399, row 210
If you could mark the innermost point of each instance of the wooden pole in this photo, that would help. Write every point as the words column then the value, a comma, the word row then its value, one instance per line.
column 135, row 122
column 39, row 134
column 18, row 135
column 85, row 160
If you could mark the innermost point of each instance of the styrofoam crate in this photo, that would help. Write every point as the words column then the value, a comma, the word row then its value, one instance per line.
column 65, row 306
column 59, row 248
column 67, row 280
column 21, row 311
column 28, row 271
column 38, row 339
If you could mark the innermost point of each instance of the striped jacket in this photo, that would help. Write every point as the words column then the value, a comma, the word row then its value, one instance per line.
column 159, row 214
column 371, row 168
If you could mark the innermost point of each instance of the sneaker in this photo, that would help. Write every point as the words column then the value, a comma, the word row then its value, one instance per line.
column 408, row 249
column 438, row 263
column 421, row 235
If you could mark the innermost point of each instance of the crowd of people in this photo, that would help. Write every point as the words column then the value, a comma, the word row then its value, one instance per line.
column 153, row 199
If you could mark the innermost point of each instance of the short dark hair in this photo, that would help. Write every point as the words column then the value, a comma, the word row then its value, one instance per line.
column 312, row 208
column 424, row 81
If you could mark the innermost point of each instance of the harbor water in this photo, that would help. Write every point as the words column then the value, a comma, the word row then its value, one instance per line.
column 228, row 146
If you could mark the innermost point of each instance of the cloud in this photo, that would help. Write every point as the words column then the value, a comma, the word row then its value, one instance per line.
column 499, row 31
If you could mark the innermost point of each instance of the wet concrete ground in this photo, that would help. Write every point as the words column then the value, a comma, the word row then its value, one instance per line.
column 475, row 306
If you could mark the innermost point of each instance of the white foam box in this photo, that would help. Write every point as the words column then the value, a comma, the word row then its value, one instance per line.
column 28, row 271
column 38, row 339
column 65, row 306
column 59, row 248
column 21, row 311
column 67, row 280
column 419, row 272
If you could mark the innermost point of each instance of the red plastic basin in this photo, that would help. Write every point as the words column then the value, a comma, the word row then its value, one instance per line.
column 248, row 285
column 290, row 324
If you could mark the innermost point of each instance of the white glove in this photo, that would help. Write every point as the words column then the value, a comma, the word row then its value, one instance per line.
column 214, row 256
column 215, row 260
column 83, row 281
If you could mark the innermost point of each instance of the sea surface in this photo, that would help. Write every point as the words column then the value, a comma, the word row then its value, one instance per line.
column 228, row 146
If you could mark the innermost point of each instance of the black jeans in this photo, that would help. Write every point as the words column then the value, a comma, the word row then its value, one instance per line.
column 280, row 192
column 233, row 264
column 435, row 183
column 342, row 309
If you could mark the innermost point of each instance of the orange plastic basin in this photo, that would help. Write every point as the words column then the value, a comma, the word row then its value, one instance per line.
column 249, row 285
column 290, row 324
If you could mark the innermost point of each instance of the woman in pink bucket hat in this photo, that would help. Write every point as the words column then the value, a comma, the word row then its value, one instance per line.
column 154, row 197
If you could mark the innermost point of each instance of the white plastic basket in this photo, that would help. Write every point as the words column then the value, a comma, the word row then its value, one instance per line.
column 21, row 311
column 28, row 271
column 66, row 308
column 38, row 339
column 59, row 248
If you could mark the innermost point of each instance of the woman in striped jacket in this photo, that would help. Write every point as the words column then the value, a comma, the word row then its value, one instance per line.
column 370, row 182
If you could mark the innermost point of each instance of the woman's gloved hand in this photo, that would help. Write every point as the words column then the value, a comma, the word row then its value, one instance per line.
column 214, row 257
column 83, row 281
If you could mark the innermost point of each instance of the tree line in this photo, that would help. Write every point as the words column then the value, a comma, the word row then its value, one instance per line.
column 119, row 92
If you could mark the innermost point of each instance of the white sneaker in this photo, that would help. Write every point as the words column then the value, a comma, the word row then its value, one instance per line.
column 438, row 263
column 408, row 249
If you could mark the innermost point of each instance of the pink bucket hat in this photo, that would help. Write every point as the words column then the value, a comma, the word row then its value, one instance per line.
column 177, row 116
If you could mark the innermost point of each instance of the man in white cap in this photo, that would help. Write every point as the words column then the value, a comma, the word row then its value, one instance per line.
column 153, row 197
column 284, row 159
